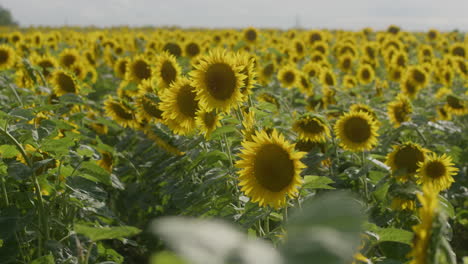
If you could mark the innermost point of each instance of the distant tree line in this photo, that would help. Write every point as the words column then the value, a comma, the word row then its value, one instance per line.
column 5, row 18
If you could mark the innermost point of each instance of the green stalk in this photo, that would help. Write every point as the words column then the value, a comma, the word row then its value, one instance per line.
column 364, row 177
column 43, row 221
column 5, row 193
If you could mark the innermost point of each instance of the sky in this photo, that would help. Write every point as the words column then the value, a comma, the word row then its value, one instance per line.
column 333, row 14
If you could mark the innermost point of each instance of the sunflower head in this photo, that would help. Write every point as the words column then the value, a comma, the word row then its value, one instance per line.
column 173, row 48
column 251, row 35
column 7, row 57
column 404, row 160
column 311, row 128
column 138, row 69
column 166, row 70
column 456, row 105
column 357, row 131
column 400, row 110
column 148, row 109
column 327, row 78
column 437, row 170
column 247, row 66
column 364, row 108
column 269, row 169
column 180, row 105
column 288, row 76
column 207, row 122
column 366, row 74
column 121, row 66
column 218, row 81
column 120, row 113
column 68, row 57
column 64, row 82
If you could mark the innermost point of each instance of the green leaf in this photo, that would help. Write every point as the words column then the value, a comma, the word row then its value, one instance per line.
column 447, row 207
column 390, row 234
column 49, row 259
column 59, row 146
column 93, row 172
column 25, row 114
column 317, row 182
column 8, row 151
column 166, row 257
column 326, row 230
column 101, row 233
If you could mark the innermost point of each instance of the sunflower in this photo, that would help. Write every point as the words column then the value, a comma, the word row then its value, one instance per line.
column 459, row 50
column 400, row 59
column 404, row 160
column 327, row 78
column 423, row 231
column 443, row 114
column 455, row 105
column 172, row 48
column 400, row 110
column 312, row 69
column 138, row 69
column 218, row 81
column 438, row 171
column 248, row 124
column 311, row 128
column 207, row 122
column 46, row 63
column 269, row 169
column 64, row 82
column 7, row 57
column 357, row 131
column 305, row 85
column 288, row 76
column 267, row 72
column 251, row 35
column 365, row 74
column 166, row 70
column 246, row 64
column 68, row 57
column 148, row 109
column 37, row 155
column 120, row 113
column 349, row 81
column 179, row 106
column 345, row 62
column 408, row 87
column 192, row 49
column 106, row 160
column 418, row 76
column 121, row 66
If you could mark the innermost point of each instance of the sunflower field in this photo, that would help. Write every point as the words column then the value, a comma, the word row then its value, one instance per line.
column 211, row 146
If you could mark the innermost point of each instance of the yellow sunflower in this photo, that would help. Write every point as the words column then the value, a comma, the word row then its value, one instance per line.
column 455, row 105
column 408, row 87
column 192, row 49
column 365, row 74
column 68, row 57
column 7, row 57
column 288, row 76
column 173, row 48
column 443, row 114
column 251, row 35
column 246, row 64
column 138, row 69
column 207, row 122
column 402, row 204
column 438, row 171
column 400, row 110
column 364, row 108
column 46, row 63
column 327, row 78
column 64, row 82
column 121, row 66
column 148, row 109
column 218, row 81
column 269, row 169
column 120, row 113
column 404, row 160
column 166, row 70
column 418, row 76
column 311, row 128
column 179, row 106
column 357, row 131
column 266, row 72
column 305, row 85
column 423, row 231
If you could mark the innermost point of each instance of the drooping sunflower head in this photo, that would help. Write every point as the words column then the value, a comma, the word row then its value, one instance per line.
column 357, row 131
column 288, row 76
column 366, row 74
column 120, row 113
column 138, row 69
column 166, row 70
column 456, row 105
column 400, row 110
column 207, row 122
column 404, row 160
column 218, row 81
column 64, row 82
column 269, row 169
column 180, row 105
column 148, row 109
column 438, row 171
column 68, row 57
column 311, row 128
column 7, row 57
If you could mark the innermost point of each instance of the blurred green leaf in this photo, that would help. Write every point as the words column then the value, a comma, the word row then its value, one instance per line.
column 49, row 259
column 8, row 151
column 317, row 182
column 390, row 234
column 101, row 233
column 166, row 257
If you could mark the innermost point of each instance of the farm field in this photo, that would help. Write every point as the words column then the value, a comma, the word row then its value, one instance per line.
column 173, row 146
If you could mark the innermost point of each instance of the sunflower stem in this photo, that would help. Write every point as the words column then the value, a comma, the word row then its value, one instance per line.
column 5, row 193
column 18, row 98
column 364, row 177
column 285, row 214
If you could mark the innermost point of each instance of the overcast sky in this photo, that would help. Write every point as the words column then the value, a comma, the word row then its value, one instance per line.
column 346, row 14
